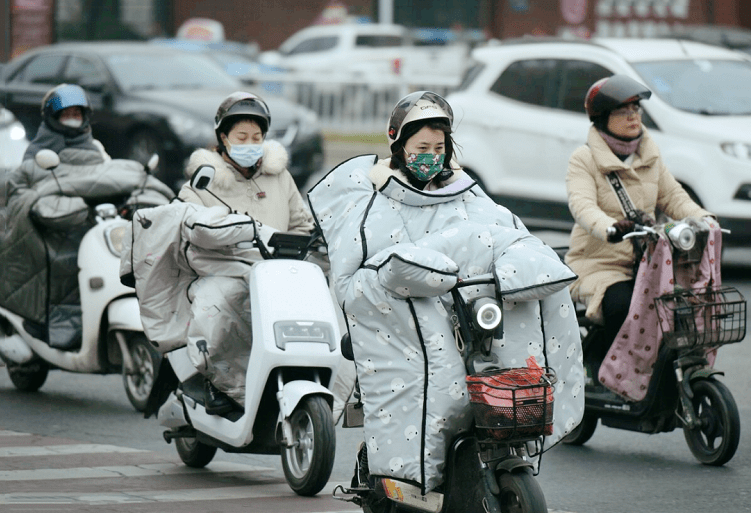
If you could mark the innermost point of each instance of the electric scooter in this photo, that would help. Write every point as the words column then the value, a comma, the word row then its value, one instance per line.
column 683, row 391
column 112, row 335
column 491, row 468
column 293, row 363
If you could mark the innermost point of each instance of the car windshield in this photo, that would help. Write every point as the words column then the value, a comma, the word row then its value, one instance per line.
column 154, row 71
column 709, row 87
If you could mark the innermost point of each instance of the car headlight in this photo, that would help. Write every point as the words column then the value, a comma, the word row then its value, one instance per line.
column 737, row 149
column 115, row 238
column 191, row 129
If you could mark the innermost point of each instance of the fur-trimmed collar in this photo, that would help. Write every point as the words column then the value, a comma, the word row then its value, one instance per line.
column 275, row 160
column 382, row 171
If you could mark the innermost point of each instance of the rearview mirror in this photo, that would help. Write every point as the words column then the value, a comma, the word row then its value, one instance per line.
column 47, row 159
column 153, row 162
column 202, row 178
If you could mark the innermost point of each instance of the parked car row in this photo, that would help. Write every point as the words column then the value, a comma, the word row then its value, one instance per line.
column 151, row 99
column 520, row 115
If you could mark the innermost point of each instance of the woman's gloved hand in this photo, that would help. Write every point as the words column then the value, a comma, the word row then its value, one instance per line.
column 619, row 229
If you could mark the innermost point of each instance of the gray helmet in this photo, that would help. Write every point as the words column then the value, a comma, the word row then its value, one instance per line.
column 607, row 94
column 61, row 97
column 242, row 104
column 414, row 107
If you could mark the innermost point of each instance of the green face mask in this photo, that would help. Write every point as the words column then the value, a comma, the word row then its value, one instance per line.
column 424, row 166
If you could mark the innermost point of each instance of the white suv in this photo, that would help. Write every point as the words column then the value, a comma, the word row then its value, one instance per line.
column 519, row 115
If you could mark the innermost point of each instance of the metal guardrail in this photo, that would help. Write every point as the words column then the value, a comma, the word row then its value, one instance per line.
column 347, row 103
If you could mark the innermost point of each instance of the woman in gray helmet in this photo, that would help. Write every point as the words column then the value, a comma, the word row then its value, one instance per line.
column 618, row 143
column 251, row 172
column 251, row 178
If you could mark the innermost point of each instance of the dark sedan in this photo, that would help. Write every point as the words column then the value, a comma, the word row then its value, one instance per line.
column 149, row 99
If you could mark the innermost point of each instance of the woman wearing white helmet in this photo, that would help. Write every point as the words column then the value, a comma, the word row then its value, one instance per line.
column 400, row 232
column 419, row 135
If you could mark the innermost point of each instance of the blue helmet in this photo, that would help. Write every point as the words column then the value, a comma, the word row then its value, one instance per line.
column 61, row 97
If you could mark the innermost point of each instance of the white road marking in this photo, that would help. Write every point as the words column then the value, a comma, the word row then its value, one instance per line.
column 156, row 496
column 53, row 450
column 13, row 433
column 143, row 470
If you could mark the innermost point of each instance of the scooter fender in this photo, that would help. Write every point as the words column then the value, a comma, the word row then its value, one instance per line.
column 513, row 463
column 124, row 314
column 291, row 394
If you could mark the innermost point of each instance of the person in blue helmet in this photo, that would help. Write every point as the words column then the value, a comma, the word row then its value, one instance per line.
column 66, row 123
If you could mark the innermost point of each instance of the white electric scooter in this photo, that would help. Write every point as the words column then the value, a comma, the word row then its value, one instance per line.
column 293, row 363
column 112, row 334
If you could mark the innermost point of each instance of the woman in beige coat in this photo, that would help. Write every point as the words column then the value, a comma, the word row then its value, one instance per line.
column 251, row 173
column 251, row 178
column 617, row 143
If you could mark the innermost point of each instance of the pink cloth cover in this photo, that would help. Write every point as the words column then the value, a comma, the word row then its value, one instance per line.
column 627, row 367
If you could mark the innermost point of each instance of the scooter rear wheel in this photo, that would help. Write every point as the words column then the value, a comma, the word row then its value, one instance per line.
column 194, row 453
column 716, row 440
column 146, row 361
column 28, row 377
column 521, row 493
column 308, row 463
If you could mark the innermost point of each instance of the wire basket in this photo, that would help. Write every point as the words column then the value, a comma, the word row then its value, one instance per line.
column 513, row 404
column 704, row 317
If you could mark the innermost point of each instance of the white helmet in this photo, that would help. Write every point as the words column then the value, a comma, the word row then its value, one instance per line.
column 414, row 107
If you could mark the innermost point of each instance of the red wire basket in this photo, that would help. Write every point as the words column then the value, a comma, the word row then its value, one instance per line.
column 513, row 404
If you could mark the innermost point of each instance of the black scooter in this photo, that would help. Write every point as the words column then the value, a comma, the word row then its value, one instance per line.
column 489, row 469
column 683, row 392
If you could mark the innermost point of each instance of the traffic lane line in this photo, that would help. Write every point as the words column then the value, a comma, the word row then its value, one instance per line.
column 85, row 460
column 277, row 491
column 64, row 450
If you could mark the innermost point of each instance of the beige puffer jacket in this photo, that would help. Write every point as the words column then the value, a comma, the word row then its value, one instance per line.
column 595, row 207
column 270, row 196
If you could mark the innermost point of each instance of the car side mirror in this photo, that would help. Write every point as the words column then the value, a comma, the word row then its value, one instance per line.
column 202, row 178
column 47, row 159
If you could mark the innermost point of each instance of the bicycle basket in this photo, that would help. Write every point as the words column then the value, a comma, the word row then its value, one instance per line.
column 513, row 404
column 704, row 317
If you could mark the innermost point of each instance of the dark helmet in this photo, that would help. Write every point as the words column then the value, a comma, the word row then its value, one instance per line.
column 242, row 104
column 415, row 107
column 61, row 97
column 609, row 93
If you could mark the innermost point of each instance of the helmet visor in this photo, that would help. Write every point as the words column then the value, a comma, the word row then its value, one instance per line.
column 67, row 96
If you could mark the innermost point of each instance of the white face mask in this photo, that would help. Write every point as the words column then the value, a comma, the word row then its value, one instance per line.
column 72, row 122
column 246, row 154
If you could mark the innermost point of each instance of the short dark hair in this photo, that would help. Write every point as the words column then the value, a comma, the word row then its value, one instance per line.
column 397, row 157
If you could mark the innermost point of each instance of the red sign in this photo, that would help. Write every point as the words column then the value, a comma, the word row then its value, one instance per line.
column 30, row 25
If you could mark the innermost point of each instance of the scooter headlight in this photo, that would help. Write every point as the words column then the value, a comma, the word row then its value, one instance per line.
column 486, row 313
column 115, row 238
column 681, row 235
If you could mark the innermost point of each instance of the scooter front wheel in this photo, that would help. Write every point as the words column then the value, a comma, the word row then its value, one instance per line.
column 28, row 377
column 145, row 361
column 715, row 441
column 308, row 462
column 521, row 493
column 194, row 453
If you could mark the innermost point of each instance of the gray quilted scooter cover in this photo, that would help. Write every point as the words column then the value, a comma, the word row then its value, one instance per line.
column 395, row 253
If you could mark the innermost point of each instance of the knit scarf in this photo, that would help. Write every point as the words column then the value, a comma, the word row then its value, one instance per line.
column 621, row 146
